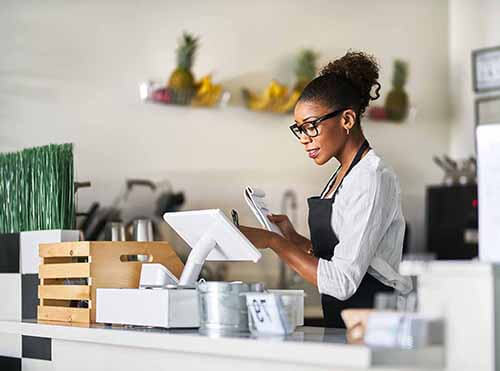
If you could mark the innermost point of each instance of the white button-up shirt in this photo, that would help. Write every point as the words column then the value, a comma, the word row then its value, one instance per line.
column 369, row 223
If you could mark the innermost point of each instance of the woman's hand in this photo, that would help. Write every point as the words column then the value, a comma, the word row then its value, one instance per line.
column 290, row 233
column 261, row 238
column 285, row 225
column 291, row 253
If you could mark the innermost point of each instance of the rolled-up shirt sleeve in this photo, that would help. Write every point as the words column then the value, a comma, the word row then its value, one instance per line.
column 367, row 215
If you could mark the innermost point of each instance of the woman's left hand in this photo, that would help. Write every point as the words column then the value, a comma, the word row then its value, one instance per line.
column 261, row 238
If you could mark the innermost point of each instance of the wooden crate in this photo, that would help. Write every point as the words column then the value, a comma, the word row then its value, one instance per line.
column 102, row 264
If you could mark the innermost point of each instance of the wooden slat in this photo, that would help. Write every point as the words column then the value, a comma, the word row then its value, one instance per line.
column 60, row 249
column 64, row 314
column 73, row 292
column 68, row 324
column 52, row 281
column 56, row 303
column 59, row 260
column 69, row 270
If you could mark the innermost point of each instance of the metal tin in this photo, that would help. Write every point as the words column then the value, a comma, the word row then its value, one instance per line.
column 222, row 308
column 143, row 230
column 115, row 231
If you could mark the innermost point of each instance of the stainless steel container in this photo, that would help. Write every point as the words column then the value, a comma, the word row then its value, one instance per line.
column 222, row 307
column 115, row 231
column 143, row 230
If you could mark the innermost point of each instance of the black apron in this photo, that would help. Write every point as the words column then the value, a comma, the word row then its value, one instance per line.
column 324, row 240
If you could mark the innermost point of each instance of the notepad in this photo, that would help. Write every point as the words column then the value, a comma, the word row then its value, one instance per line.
column 255, row 199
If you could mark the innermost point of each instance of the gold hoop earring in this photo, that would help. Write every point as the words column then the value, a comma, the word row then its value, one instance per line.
column 347, row 131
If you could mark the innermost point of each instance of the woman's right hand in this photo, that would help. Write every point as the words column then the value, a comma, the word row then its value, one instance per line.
column 285, row 226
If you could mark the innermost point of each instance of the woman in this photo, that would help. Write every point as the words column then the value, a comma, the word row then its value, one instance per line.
column 356, row 224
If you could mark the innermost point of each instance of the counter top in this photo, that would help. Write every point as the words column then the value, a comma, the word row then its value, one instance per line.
column 313, row 346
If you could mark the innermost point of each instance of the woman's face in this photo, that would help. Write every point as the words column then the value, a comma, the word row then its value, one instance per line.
column 332, row 135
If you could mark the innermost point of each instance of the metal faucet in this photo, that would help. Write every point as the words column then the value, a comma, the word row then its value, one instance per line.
column 288, row 201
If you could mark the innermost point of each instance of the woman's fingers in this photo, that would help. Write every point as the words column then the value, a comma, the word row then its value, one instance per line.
column 277, row 218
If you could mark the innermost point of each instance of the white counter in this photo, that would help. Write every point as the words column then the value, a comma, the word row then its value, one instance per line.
column 100, row 347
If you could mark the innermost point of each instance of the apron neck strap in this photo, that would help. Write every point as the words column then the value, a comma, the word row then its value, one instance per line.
column 357, row 158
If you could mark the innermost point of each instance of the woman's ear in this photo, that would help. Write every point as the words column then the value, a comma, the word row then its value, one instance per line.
column 349, row 119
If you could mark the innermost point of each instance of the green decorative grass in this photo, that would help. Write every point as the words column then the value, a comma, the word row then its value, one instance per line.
column 37, row 189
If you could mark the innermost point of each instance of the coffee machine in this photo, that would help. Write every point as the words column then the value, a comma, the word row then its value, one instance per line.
column 452, row 221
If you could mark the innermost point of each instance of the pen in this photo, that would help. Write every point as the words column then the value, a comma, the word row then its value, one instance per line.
column 234, row 215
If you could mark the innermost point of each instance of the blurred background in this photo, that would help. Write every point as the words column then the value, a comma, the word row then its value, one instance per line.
column 70, row 72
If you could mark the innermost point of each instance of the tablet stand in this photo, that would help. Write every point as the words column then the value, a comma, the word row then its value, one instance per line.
column 212, row 236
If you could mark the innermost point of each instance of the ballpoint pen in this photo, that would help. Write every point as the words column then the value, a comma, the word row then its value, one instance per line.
column 234, row 215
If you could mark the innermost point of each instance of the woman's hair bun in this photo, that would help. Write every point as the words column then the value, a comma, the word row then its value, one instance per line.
column 358, row 68
column 346, row 82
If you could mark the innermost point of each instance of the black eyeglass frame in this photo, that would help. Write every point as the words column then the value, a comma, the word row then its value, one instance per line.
column 315, row 123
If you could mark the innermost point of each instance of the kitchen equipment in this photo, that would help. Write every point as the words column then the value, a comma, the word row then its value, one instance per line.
column 452, row 221
column 168, row 200
column 456, row 172
column 222, row 308
column 104, row 265
column 115, row 231
column 90, row 215
column 94, row 226
column 143, row 230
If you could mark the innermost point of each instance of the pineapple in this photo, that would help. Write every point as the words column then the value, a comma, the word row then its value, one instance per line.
column 305, row 69
column 396, row 103
column 181, row 82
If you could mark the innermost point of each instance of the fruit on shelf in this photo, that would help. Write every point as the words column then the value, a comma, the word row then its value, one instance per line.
column 305, row 69
column 207, row 94
column 162, row 95
column 279, row 98
column 272, row 96
column 396, row 103
column 377, row 113
column 275, row 98
column 181, row 81
column 182, row 88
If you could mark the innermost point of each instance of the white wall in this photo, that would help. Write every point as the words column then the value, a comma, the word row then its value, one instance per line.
column 472, row 25
column 69, row 72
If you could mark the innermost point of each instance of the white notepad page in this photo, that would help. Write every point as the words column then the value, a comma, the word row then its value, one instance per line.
column 255, row 199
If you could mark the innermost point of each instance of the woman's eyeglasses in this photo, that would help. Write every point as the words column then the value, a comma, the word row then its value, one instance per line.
column 311, row 128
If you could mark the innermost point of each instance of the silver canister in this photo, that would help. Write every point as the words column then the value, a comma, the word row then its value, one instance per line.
column 143, row 230
column 222, row 308
column 115, row 231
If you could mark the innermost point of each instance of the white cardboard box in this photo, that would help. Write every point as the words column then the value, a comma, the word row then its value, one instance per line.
column 168, row 308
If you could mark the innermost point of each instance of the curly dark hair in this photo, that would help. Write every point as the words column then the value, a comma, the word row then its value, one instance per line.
column 346, row 82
